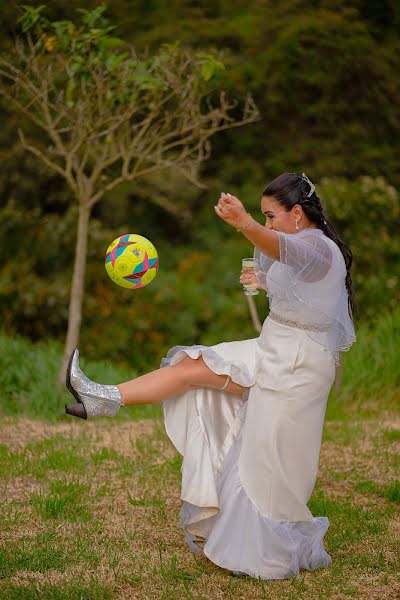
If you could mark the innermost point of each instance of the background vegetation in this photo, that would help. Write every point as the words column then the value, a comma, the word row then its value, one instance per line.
column 324, row 75
column 90, row 509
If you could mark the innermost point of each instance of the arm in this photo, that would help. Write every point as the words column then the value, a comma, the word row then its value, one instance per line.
column 231, row 210
column 265, row 239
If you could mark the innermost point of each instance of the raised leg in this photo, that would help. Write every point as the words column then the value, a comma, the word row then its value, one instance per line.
column 170, row 381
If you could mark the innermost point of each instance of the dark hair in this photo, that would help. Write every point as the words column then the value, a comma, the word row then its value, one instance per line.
column 290, row 189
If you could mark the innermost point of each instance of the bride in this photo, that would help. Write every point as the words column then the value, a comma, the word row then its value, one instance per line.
column 247, row 416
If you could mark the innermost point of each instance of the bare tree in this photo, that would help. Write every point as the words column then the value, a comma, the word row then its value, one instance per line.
column 107, row 116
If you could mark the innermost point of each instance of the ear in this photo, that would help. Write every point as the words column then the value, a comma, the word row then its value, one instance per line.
column 297, row 211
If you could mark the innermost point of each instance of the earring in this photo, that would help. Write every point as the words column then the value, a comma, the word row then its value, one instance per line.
column 297, row 226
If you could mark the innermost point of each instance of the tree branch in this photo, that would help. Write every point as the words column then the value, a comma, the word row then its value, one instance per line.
column 52, row 165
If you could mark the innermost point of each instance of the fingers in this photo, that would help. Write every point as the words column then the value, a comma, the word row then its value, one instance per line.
column 229, row 208
column 227, row 198
column 223, row 212
column 224, row 204
column 247, row 278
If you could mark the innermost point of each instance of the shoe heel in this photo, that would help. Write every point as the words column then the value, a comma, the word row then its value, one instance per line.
column 68, row 379
column 76, row 410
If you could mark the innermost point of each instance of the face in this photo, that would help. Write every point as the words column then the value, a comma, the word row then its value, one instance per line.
column 278, row 218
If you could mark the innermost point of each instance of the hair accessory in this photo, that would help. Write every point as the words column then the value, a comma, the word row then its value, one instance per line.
column 312, row 186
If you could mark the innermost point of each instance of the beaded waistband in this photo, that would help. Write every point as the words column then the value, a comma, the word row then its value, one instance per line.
column 291, row 323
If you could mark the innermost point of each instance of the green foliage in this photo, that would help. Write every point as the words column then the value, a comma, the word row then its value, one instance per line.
column 196, row 296
column 366, row 212
column 87, row 49
column 372, row 365
column 28, row 374
column 33, row 18
column 323, row 75
column 209, row 65
column 325, row 79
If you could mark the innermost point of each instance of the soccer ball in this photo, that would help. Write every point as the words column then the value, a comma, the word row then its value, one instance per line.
column 131, row 261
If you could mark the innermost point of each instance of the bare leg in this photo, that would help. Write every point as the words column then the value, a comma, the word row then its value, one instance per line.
column 170, row 381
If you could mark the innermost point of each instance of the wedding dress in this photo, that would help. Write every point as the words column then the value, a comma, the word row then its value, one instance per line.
column 250, row 461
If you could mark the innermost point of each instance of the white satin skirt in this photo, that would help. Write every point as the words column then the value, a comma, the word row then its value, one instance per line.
column 250, row 461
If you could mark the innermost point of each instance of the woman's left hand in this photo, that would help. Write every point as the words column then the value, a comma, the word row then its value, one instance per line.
column 231, row 210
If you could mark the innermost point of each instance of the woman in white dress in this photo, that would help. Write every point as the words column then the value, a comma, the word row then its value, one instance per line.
column 247, row 416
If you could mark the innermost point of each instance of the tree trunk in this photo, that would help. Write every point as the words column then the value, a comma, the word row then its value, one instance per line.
column 77, row 289
column 338, row 378
column 254, row 314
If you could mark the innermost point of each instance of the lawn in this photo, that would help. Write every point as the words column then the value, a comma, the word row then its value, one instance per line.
column 90, row 508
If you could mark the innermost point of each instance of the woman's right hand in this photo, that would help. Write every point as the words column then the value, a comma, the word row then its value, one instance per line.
column 249, row 278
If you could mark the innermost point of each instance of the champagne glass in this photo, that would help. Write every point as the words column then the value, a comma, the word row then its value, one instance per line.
column 249, row 265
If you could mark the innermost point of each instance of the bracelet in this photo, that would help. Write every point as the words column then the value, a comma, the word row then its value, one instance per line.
column 247, row 224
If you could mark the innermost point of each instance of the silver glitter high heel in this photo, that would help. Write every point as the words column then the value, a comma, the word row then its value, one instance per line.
column 93, row 399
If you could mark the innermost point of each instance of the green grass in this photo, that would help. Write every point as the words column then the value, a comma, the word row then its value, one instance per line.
column 53, row 454
column 64, row 499
column 34, row 553
column 391, row 491
column 28, row 376
column 371, row 370
column 392, row 435
column 123, row 533
column 93, row 513
column 76, row 591
column 28, row 380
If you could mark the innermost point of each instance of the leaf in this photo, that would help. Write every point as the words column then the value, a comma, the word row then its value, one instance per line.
column 207, row 70
column 76, row 65
column 90, row 17
column 113, row 61
column 111, row 42
column 63, row 31
column 173, row 46
column 32, row 17
column 209, row 65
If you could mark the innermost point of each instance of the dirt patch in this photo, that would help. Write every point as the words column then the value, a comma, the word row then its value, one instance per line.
column 366, row 457
column 128, row 538
column 373, row 587
column 20, row 488
column 117, row 435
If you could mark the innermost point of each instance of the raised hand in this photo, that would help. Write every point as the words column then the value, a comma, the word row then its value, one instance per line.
column 231, row 210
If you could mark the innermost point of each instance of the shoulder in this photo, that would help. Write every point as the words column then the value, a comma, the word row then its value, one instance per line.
column 313, row 236
column 314, row 244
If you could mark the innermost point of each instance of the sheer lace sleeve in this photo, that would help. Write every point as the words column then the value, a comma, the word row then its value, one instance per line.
column 307, row 284
column 309, row 256
column 262, row 264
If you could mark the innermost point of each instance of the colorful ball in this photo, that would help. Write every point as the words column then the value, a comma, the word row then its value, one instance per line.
column 131, row 261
